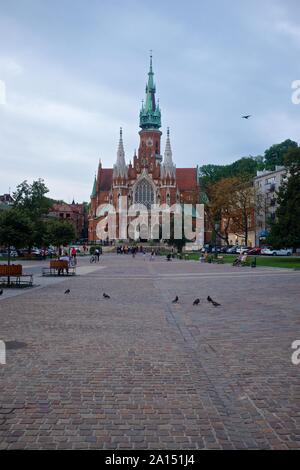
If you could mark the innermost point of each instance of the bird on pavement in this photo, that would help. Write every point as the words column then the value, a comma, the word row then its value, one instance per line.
column 196, row 302
column 1, row 291
column 67, row 291
column 175, row 300
column 247, row 116
column 215, row 304
column 106, row 296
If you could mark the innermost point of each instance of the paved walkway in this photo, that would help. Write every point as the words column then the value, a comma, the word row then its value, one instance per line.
column 138, row 372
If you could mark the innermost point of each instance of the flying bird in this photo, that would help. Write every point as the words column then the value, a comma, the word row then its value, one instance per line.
column 106, row 296
column 247, row 116
column 67, row 291
column 196, row 302
column 215, row 304
column 175, row 300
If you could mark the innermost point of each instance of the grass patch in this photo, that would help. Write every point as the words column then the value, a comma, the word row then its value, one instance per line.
column 291, row 262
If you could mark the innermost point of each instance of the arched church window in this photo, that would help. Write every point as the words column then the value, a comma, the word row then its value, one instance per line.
column 144, row 193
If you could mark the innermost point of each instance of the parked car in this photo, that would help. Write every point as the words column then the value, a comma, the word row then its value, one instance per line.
column 232, row 250
column 254, row 251
column 269, row 251
column 13, row 253
column 242, row 249
column 225, row 248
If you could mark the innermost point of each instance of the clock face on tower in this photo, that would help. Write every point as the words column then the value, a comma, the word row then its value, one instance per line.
column 149, row 142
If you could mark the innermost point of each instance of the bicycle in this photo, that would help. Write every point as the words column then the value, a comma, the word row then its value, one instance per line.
column 93, row 259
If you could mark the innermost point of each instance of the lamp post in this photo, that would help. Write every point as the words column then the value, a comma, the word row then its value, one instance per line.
column 217, row 226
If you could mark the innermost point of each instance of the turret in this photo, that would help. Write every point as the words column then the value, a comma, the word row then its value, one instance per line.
column 120, row 168
column 168, row 169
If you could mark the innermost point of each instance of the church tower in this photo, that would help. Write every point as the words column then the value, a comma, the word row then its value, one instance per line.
column 150, row 123
column 149, row 178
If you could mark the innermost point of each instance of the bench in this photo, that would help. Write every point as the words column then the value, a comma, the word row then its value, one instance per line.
column 219, row 259
column 16, row 275
column 249, row 262
column 59, row 268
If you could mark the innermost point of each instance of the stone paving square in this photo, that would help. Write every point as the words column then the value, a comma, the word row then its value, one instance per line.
column 138, row 372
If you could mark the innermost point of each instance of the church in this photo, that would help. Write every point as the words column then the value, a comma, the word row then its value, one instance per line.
column 149, row 178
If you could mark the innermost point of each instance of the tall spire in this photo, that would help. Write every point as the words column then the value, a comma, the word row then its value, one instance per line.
column 120, row 168
column 94, row 191
column 168, row 168
column 150, row 116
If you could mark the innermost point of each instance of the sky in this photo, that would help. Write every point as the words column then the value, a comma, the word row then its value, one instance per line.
column 73, row 71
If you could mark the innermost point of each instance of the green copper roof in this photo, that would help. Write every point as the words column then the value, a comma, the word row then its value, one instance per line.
column 150, row 115
column 94, row 192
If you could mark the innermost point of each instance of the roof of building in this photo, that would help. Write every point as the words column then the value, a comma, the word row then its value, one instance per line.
column 186, row 178
column 64, row 207
column 106, row 179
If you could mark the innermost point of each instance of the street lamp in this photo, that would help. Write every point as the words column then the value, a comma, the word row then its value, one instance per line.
column 217, row 226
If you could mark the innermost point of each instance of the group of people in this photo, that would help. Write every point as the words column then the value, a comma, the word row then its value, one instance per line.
column 127, row 249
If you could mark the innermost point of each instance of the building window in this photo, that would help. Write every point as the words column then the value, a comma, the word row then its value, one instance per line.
column 144, row 193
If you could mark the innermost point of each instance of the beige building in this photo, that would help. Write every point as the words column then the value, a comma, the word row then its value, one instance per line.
column 266, row 184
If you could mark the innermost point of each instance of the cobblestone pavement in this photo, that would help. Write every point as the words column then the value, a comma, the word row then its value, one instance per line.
column 138, row 372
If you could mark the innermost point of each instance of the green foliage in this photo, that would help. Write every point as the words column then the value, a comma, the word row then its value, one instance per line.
column 31, row 198
column 246, row 167
column 15, row 228
column 60, row 232
column 285, row 231
column 276, row 153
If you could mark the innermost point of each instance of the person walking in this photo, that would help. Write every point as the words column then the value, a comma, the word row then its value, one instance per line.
column 97, row 254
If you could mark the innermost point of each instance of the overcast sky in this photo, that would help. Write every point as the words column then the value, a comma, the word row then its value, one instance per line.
column 75, row 71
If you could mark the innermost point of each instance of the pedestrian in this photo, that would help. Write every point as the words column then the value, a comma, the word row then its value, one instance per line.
column 97, row 253
column 73, row 253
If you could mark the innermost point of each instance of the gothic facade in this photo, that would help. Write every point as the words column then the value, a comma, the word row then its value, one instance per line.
column 150, row 178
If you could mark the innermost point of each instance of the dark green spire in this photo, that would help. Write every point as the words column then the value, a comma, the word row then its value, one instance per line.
column 150, row 116
column 94, row 192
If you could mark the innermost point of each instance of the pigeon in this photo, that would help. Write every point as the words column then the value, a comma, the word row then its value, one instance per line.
column 196, row 302
column 175, row 300
column 106, row 296
column 67, row 291
column 247, row 116
column 215, row 304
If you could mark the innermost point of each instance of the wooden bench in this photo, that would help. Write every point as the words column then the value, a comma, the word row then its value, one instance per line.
column 16, row 275
column 59, row 268
column 219, row 259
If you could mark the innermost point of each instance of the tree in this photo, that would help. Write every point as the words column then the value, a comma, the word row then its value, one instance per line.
column 276, row 153
column 60, row 232
column 244, row 209
column 246, row 167
column 15, row 230
column 220, row 206
column 285, row 231
column 231, row 206
column 32, row 198
column 32, row 201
